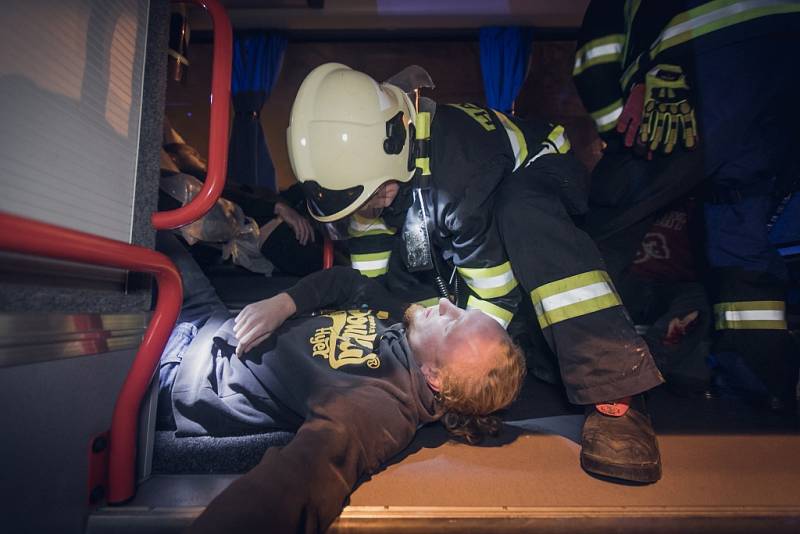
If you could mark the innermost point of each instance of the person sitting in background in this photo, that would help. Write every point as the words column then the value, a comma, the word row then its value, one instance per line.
column 284, row 237
column 355, row 382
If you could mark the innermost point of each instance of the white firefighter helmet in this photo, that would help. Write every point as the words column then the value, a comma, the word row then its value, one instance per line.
column 347, row 136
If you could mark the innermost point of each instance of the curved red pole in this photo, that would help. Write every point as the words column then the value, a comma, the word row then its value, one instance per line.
column 19, row 234
column 217, row 128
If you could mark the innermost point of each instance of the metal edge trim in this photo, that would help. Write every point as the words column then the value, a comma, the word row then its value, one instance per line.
column 35, row 338
column 512, row 512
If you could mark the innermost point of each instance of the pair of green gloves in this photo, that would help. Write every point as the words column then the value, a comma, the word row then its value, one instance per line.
column 658, row 114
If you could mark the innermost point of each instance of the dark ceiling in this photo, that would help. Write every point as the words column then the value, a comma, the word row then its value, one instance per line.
column 399, row 15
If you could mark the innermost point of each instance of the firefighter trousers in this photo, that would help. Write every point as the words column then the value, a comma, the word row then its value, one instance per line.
column 600, row 355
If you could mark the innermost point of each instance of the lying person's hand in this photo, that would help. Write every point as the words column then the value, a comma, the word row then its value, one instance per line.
column 300, row 225
column 257, row 321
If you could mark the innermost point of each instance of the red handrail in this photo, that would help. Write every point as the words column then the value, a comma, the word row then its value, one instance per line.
column 327, row 253
column 217, row 128
column 28, row 236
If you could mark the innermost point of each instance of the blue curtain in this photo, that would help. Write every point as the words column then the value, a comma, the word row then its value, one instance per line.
column 257, row 59
column 504, row 63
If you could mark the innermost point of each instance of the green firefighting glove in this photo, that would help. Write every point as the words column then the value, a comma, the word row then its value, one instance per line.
column 668, row 114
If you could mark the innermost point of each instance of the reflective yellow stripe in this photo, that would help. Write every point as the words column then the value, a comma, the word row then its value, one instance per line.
column 557, row 143
column 480, row 115
column 751, row 315
column 501, row 315
column 422, row 126
column 424, row 165
column 362, row 226
column 428, row 303
column 490, row 282
column 574, row 296
column 371, row 265
column 423, row 131
column 515, row 137
column 628, row 74
column 606, row 118
column 558, row 138
column 606, row 49
column 716, row 15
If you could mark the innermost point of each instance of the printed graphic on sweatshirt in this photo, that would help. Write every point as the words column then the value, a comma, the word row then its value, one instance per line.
column 655, row 244
column 349, row 340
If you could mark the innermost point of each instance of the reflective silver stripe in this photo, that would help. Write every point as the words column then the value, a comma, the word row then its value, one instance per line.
column 609, row 118
column 373, row 264
column 490, row 282
column 370, row 265
column 574, row 296
column 755, row 315
column 727, row 9
column 608, row 52
column 558, row 137
column 750, row 315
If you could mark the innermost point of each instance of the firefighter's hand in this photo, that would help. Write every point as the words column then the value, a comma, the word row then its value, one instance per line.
column 301, row 227
column 257, row 321
column 668, row 115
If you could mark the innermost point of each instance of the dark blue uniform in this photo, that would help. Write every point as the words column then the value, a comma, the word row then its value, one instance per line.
column 740, row 63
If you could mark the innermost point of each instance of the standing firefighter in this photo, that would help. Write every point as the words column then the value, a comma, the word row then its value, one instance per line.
column 704, row 91
column 494, row 194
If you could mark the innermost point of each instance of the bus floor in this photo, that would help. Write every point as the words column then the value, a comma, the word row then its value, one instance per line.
column 727, row 467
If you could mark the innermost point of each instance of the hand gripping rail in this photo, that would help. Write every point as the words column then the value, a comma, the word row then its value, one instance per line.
column 217, row 128
column 27, row 236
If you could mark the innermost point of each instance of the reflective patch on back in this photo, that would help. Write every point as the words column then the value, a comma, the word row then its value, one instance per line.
column 480, row 115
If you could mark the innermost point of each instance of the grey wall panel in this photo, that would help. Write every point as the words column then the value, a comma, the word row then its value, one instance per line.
column 71, row 75
column 133, row 294
column 50, row 412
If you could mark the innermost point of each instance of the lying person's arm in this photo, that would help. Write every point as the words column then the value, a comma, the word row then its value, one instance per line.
column 303, row 487
column 339, row 287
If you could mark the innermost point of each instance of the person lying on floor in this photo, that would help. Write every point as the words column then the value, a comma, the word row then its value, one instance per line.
column 355, row 381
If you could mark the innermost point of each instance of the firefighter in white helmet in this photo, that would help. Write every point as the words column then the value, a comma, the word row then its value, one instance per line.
column 494, row 194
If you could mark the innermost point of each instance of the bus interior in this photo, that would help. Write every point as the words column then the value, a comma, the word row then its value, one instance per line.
column 87, row 89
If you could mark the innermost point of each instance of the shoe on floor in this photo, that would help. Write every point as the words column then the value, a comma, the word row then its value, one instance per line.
column 623, row 447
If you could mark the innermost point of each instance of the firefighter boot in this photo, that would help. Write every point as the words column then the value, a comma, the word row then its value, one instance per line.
column 618, row 441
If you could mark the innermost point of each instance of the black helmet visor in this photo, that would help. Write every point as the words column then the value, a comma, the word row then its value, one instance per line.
column 324, row 202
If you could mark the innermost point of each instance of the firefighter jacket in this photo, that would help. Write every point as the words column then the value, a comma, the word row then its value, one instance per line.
column 621, row 40
column 472, row 150
column 346, row 380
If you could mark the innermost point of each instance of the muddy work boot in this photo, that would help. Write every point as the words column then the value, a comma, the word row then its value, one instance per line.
column 619, row 442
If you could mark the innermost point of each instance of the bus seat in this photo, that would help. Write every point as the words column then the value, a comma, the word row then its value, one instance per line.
column 210, row 454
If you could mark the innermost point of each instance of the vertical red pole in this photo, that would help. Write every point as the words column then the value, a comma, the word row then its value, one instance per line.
column 327, row 254
column 217, row 127
column 26, row 236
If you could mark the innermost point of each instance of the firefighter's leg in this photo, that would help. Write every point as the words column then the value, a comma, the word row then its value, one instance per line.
column 748, row 124
column 752, row 350
column 601, row 357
